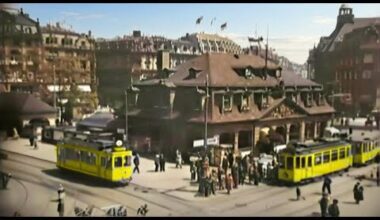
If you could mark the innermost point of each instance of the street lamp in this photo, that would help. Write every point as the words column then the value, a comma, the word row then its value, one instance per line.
column 205, row 114
column 126, row 116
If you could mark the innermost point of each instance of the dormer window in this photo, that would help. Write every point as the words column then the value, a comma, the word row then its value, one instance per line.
column 227, row 103
column 248, row 73
column 244, row 106
column 319, row 99
column 193, row 73
column 262, row 100
column 307, row 98
column 278, row 73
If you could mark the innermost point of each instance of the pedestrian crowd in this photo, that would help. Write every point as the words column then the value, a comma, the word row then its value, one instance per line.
column 232, row 172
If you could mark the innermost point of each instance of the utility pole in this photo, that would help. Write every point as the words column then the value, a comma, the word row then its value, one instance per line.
column 54, row 95
column 266, row 54
column 126, row 116
column 205, row 114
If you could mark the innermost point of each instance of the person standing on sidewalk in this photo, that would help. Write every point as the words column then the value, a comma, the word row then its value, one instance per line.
column 324, row 202
column 156, row 162
column 229, row 183
column 61, row 198
column 136, row 162
column 356, row 192
column 162, row 163
column 192, row 170
column 179, row 160
column 378, row 175
column 334, row 209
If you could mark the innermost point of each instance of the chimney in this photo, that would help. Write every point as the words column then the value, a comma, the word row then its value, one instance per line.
column 163, row 60
column 89, row 33
column 136, row 33
column 57, row 24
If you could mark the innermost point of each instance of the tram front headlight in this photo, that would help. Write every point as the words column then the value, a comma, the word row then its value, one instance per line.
column 119, row 143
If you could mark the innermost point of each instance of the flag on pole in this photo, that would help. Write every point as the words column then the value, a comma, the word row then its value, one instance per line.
column 212, row 21
column 223, row 26
column 199, row 20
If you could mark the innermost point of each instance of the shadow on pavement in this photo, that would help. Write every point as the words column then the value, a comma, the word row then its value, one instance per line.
column 293, row 200
column 315, row 214
column 79, row 178
column 349, row 202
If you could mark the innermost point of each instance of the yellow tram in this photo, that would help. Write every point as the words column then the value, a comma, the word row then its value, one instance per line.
column 365, row 147
column 307, row 161
column 101, row 158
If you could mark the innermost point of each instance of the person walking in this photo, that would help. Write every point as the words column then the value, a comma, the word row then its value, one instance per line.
column 230, row 159
column 324, row 202
column 220, row 183
column 157, row 162
column 192, row 170
column 199, row 170
column 242, row 173
column 229, row 183
column 361, row 193
column 162, row 163
column 178, row 159
column 378, row 175
column 235, row 175
column 256, row 177
column 326, row 184
column 225, row 163
column 334, row 209
column 143, row 210
column 214, row 180
column 356, row 192
column 136, row 162
column 298, row 192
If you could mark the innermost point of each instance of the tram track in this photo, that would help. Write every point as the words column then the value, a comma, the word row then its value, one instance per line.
column 48, row 182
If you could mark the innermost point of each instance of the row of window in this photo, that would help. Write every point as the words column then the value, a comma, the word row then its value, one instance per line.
column 367, row 74
column 320, row 158
column 262, row 100
column 90, row 158
column 64, row 41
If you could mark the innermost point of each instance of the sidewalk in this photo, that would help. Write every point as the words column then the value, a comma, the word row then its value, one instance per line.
column 173, row 178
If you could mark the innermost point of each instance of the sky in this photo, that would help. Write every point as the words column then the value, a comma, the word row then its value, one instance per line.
column 293, row 28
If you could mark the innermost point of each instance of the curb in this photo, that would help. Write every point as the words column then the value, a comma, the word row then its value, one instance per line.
column 26, row 155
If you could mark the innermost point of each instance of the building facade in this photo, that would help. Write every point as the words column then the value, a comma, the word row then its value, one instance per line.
column 21, row 53
column 347, row 62
column 70, row 62
column 134, row 57
column 246, row 99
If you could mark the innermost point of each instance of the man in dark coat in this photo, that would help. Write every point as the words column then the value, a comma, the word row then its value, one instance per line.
column 230, row 159
column 326, row 184
column 361, row 193
column 234, row 172
column 225, row 163
column 136, row 162
column 334, row 209
column 323, row 204
column 356, row 192
column 162, row 163
column 242, row 173
column 378, row 175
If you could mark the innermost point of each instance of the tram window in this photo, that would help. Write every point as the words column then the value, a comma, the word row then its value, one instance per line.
column 303, row 162
column 318, row 159
column 326, row 156
column 334, row 155
column 109, row 162
column 102, row 162
column 298, row 162
column 289, row 163
column 281, row 162
column 127, row 161
column 341, row 153
column 309, row 161
column 118, row 161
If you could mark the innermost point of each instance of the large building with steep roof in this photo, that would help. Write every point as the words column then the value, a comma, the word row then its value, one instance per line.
column 347, row 62
column 245, row 97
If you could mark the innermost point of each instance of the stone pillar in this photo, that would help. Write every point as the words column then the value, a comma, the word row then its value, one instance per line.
column 236, row 142
column 255, row 136
column 287, row 130
column 302, row 131
column 316, row 135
